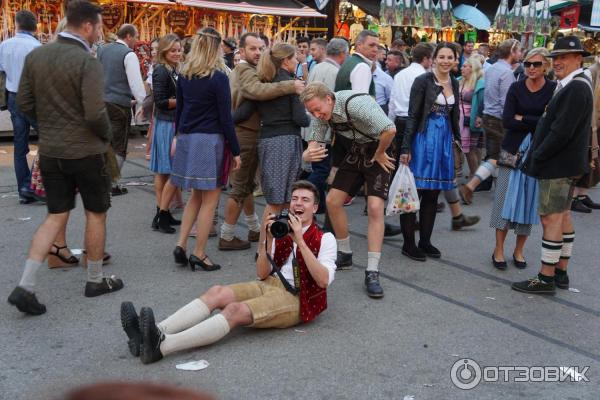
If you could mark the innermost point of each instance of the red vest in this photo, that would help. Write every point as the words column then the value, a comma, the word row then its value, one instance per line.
column 313, row 299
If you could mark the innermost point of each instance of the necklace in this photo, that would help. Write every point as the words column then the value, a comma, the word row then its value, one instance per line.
column 439, row 81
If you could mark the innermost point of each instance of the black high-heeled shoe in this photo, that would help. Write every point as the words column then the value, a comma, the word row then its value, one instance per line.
column 180, row 256
column 200, row 262
column 172, row 220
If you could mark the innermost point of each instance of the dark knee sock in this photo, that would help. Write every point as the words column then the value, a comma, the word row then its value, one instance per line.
column 427, row 213
column 408, row 224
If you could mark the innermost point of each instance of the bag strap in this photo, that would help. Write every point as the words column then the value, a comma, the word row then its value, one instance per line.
column 293, row 290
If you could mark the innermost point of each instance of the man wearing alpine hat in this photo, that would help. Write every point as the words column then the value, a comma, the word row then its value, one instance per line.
column 557, row 157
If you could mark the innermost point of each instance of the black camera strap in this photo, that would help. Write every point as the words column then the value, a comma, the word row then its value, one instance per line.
column 293, row 290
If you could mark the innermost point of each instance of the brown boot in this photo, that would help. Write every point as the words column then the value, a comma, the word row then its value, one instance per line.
column 235, row 244
column 253, row 236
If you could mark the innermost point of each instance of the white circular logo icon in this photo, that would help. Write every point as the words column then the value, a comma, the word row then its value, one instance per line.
column 465, row 374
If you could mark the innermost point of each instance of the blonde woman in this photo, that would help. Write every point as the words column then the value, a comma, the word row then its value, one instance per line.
column 526, row 101
column 205, row 138
column 280, row 143
column 164, row 87
column 471, row 72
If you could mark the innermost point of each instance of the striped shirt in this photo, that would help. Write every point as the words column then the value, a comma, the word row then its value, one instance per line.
column 498, row 79
column 365, row 115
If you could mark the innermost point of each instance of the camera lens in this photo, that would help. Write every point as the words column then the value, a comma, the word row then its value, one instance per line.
column 279, row 229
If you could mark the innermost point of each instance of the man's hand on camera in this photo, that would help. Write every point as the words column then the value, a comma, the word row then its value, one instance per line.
column 295, row 228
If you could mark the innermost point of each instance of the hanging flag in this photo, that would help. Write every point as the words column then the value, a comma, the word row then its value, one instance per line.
column 516, row 17
column 530, row 18
column 446, row 18
column 437, row 15
column 409, row 13
column 321, row 4
column 428, row 13
column 595, row 18
column 388, row 12
column 501, row 19
column 544, row 27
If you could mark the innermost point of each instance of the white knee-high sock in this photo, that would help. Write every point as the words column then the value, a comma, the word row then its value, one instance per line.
column 187, row 316
column 203, row 334
column 227, row 231
column 373, row 261
column 485, row 170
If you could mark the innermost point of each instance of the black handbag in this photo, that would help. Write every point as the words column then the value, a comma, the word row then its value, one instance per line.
column 509, row 160
column 466, row 118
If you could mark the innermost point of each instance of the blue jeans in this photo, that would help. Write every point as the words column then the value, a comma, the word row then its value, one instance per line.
column 21, row 127
column 319, row 175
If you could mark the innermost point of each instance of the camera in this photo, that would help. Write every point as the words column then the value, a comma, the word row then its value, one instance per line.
column 280, row 228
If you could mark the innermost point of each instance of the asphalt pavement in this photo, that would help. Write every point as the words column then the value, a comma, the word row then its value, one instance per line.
column 404, row 346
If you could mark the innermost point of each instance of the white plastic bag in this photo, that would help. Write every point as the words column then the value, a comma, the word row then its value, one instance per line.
column 403, row 196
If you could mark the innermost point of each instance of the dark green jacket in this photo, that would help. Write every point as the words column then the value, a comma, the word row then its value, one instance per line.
column 62, row 89
column 342, row 81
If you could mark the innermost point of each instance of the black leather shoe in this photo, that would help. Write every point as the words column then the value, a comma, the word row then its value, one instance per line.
column 343, row 261
column 26, row 302
column 578, row 206
column 195, row 261
column 440, row 207
column 374, row 289
column 485, row 186
column 519, row 264
column 392, row 230
column 561, row 281
column 109, row 284
column 414, row 253
column 151, row 337
column 172, row 220
column 180, row 256
column 589, row 203
column 501, row 265
column 430, row 250
column 131, row 325
column 164, row 224
column 534, row 286
column 155, row 220
column 462, row 221
column 118, row 190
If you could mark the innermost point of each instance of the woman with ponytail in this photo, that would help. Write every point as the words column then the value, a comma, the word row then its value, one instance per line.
column 280, row 143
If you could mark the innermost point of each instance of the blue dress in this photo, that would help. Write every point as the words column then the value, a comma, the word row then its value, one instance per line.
column 432, row 161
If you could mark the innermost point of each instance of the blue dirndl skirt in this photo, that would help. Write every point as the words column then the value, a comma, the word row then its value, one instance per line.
column 432, row 161
column 198, row 161
column 520, row 204
column 160, row 149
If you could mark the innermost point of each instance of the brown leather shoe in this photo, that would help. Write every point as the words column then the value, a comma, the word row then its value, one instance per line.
column 253, row 236
column 466, row 194
column 235, row 244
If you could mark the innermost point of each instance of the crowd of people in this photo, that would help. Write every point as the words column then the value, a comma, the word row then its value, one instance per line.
column 314, row 125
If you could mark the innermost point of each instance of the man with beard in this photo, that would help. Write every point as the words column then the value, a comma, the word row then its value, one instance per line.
column 245, row 85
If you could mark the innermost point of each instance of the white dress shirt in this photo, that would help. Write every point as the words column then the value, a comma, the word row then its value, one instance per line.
column 400, row 96
column 327, row 256
column 12, row 57
column 134, row 75
column 361, row 75
column 565, row 81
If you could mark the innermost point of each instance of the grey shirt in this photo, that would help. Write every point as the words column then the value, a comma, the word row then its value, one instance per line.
column 498, row 79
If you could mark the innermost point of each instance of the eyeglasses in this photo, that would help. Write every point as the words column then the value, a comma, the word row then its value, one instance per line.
column 535, row 64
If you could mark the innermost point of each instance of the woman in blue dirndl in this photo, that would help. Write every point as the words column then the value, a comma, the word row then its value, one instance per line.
column 431, row 129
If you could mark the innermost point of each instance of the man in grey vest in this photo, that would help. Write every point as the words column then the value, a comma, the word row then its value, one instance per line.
column 122, row 82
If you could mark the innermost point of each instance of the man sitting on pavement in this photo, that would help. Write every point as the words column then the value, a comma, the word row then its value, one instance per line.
column 292, row 289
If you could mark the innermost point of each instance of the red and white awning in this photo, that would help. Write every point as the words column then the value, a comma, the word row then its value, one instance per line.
column 294, row 9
